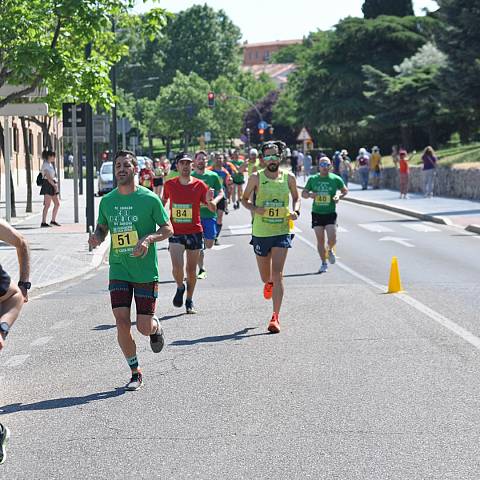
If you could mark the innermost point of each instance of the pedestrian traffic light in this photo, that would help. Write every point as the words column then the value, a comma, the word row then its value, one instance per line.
column 211, row 99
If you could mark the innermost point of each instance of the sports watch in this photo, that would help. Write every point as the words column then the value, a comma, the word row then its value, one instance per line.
column 4, row 329
column 25, row 285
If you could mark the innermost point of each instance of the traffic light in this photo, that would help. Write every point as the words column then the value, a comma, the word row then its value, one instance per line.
column 211, row 99
column 261, row 131
column 67, row 114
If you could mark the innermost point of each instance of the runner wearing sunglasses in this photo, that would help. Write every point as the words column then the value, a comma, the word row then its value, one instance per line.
column 271, row 236
column 323, row 189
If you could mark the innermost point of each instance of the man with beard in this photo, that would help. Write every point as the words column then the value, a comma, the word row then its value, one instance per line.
column 208, row 215
column 271, row 236
column 131, row 214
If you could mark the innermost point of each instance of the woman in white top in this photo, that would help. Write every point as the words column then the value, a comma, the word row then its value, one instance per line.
column 49, row 189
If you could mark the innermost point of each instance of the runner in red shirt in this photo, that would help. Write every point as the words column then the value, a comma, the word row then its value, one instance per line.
column 185, row 194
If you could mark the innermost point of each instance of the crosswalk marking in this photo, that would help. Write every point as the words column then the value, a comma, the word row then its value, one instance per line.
column 420, row 227
column 375, row 227
column 15, row 360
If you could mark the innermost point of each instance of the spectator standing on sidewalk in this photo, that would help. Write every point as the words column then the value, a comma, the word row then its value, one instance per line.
column 345, row 167
column 49, row 188
column 395, row 156
column 307, row 165
column 429, row 160
column 363, row 167
column 376, row 167
column 404, row 170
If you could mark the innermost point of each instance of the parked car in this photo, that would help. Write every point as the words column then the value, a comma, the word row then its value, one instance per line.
column 105, row 178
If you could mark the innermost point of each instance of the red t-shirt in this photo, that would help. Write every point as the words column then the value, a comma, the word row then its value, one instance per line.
column 146, row 178
column 185, row 204
column 403, row 166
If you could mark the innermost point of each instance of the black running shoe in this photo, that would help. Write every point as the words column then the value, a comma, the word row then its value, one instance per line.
column 178, row 298
column 189, row 306
column 157, row 340
column 4, row 437
column 135, row 382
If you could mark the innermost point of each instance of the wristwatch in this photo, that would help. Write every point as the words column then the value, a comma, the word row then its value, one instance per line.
column 297, row 212
column 4, row 329
column 25, row 285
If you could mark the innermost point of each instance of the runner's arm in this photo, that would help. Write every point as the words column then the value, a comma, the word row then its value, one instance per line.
column 292, row 185
column 251, row 187
column 98, row 236
column 306, row 192
column 164, row 232
column 9, row 235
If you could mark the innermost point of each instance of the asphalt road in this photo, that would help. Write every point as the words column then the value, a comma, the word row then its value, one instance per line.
column 359, row 384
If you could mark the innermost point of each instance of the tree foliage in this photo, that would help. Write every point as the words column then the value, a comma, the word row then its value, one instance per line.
column 398, row 8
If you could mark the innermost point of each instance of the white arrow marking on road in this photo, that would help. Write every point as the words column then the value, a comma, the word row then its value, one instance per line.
column 15, row 361
column 420, row 227
column 375, row 227
column 221, row 247
column 401, row 241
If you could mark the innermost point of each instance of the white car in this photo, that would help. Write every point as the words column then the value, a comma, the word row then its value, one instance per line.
column 105, row 178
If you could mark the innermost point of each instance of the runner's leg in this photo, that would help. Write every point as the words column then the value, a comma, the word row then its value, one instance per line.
column 265, row 267
column 279, row 255
column 176, row 255
column 320, row 234
column 331, row 235
column 124, row 332
column 192, row 261
column 11, row 304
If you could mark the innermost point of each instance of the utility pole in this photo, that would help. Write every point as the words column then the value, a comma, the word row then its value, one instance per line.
column 90, row 210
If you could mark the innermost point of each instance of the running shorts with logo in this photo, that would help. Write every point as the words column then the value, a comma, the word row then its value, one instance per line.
column 4, row 282
column 145, row 294
column 185, row 201
column 272, row 229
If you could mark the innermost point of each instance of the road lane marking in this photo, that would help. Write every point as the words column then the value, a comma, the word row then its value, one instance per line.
column 404, row 297
column 241, row 231
column 400, row 241
column 375, row 227
column 15, row 361
column 61, row 324
column 420, row 227
column 40, row 341
column 221, row 247
column 240, row 227
column 342, row 230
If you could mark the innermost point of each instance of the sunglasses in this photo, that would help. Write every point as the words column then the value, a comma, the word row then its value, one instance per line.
column 271, row 157
column 324, row 164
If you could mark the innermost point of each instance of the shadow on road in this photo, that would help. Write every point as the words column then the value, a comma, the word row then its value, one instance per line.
column 300, row 274
column 240, row 335
column 60, row 402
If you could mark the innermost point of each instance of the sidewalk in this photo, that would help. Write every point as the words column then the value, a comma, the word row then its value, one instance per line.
column 58, row 254
column 449, row 211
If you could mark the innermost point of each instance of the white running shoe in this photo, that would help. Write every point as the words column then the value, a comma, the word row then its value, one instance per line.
column 331, row 256
column 323, row 268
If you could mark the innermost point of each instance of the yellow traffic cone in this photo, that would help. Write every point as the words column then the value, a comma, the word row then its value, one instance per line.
column 394, row 284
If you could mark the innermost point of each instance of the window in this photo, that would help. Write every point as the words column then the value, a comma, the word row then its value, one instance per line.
column 266, row 56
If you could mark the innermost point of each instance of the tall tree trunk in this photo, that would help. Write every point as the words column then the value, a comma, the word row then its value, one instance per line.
column 150, row 145
column 12, row 187
column 28, row 164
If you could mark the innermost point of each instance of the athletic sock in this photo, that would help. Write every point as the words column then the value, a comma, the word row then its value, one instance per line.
column 133, row 362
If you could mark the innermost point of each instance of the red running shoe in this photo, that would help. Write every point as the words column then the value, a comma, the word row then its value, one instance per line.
column 274, row 325
column 268, row 291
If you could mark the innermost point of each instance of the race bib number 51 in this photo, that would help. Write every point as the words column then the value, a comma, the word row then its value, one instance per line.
column 182, row 213
column 124, row 240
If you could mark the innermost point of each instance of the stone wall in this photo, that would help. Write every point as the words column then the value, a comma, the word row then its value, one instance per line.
column 449, row 182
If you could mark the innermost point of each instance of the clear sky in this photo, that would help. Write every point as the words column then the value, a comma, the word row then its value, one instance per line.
column 286, row 19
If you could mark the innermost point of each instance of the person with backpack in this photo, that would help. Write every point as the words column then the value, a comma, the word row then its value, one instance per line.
column 49, row 189
column 429, row 160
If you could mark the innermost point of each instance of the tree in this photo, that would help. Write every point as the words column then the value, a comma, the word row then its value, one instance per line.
column 203, row 41
column 459, row 38
column 398, row 8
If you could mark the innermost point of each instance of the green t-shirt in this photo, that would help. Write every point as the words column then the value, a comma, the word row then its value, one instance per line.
column 214, row 181
column 325, row 189
column 129, row 218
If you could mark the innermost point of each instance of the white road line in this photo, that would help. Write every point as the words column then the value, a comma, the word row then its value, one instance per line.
column 422, row 308
column 221, row 247
column 40, row 341
column 61, row 324
column 240, row 227
column 420, row 227
column 241, row 231
column 15, row 361
column 375, row 227
column 342, row 230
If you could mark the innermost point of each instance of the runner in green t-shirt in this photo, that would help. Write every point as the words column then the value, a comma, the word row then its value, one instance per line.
column 207, row 216
column 323, row 189
column 131, row 214
column 238, row 178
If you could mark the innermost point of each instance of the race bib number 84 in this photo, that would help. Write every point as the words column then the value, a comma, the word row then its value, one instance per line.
column 124, row 239
column 182, row 213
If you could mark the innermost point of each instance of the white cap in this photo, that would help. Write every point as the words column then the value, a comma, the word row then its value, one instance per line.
column 253, row 151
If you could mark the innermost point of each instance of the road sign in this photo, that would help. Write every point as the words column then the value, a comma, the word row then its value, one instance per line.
column 304, row 136
column 208, row 136
column 23, row 109
column 123, row 125
column 67, row 114
column 262, row 125
column 7, row 90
